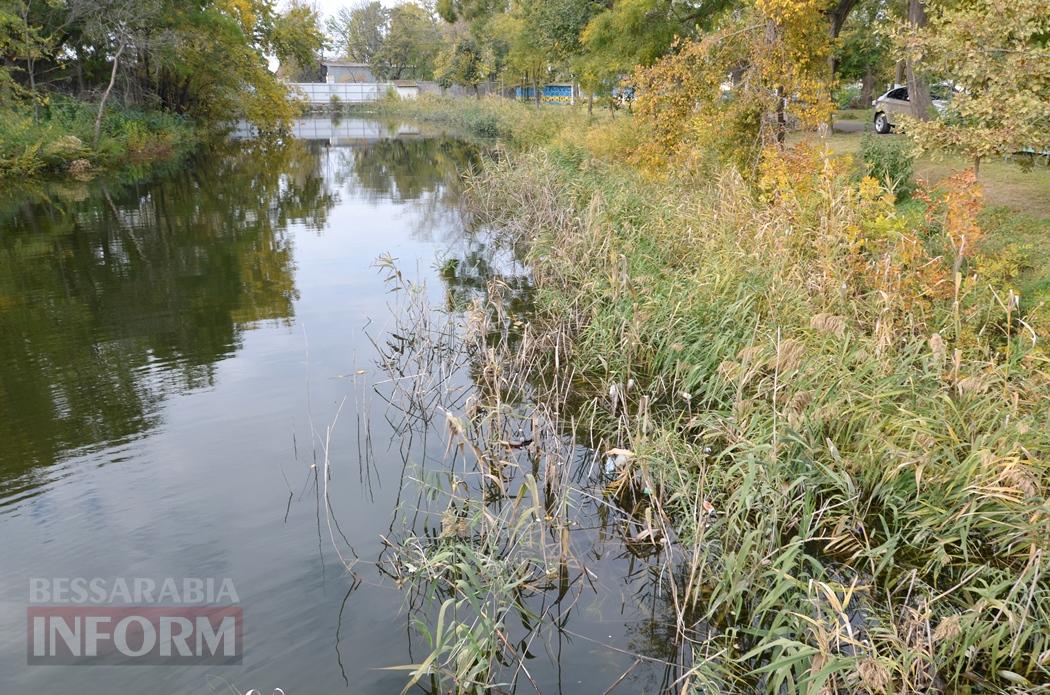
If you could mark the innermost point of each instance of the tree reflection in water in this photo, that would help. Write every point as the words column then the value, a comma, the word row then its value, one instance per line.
column 105, row 285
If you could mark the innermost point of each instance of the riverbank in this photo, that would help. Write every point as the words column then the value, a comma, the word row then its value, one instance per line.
column 831, row 406
column 59, row 141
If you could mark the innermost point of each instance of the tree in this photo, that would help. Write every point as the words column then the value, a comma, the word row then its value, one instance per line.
column 918, row 89
column 205, row 58
column 411, row 44
column 471, row 11
column 728, row 91
column 996, row 52
column 114, row 25
column 298, row 39
column 549, row 39
column 463, row 62
column 864, row 51
column 29, row 43
column 357, row 32
column 214, row 64
column 527, row 59
column 639, row 32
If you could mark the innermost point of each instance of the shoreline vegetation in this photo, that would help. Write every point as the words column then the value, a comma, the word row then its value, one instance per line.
column 830, row 399
column 95, row 84
column 59, row 142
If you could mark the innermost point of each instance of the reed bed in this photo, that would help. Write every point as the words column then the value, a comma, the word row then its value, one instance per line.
column 827, row 416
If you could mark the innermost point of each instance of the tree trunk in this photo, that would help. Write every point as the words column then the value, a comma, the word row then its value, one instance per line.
column 590, row 104
column 781, row 119
column 867, row 88
column 80, row 72
column 536, row 91
column 976, row 167
column 771, row 37
column 30, row 62
column 918, row 90
column 105, row 94
column 899, row 73
column 839, row 14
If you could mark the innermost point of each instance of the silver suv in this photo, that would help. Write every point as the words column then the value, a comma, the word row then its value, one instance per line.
column 895, row 102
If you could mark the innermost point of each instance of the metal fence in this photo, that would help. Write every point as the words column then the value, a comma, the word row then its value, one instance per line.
column 345, row 92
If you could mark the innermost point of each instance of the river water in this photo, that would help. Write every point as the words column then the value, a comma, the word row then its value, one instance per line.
column 177, row 355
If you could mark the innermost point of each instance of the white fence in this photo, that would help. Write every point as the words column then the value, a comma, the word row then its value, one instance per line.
column 352, row 92
column 322, row 93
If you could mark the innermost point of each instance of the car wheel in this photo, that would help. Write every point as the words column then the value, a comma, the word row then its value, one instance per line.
column 882, row 124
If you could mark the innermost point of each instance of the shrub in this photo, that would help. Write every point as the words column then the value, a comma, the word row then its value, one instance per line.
column 65, row 131
column 846, row 97
column 890, row 160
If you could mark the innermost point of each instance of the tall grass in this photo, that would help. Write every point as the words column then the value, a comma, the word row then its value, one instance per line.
column 837, row 414
column 491, row 528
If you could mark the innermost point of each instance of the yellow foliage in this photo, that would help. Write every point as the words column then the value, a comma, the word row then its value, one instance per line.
column 728, row 91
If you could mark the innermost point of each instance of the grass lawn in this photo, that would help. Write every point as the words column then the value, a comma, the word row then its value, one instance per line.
column 863, row 115
column 1005, row 183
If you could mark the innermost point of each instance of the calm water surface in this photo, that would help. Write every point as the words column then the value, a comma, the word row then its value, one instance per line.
column 172, row 355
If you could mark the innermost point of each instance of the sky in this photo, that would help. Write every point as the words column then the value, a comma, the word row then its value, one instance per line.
column 330, row 7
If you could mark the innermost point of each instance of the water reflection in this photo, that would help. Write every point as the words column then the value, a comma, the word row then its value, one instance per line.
column 114, row 296
column 403, row 170
column 206, row 328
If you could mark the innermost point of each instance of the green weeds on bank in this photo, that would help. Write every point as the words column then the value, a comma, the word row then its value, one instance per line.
column 837, row 406
column 60, row 139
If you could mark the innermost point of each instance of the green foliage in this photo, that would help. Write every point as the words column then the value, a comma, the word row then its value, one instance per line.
column 410, row 45
column 208, row 59
column 996, row 52
column 397, row 42
column 891, row 161
column 296, row 36
column 845, row 97
column 864, row 50
column 475, row 11
column 63, row 134
column 490, row 117
column 638, row 32
column 357, row 31
column 463, row 62
column 727, row 93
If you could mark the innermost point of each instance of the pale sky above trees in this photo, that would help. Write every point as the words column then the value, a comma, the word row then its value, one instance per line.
column 329, row 7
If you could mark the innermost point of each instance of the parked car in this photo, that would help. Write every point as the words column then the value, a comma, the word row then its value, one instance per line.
column 895, row 102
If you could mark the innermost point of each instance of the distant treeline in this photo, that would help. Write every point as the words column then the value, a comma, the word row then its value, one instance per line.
column 94, row 81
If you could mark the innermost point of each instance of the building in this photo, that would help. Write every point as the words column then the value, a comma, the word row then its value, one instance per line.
column 340, row 71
